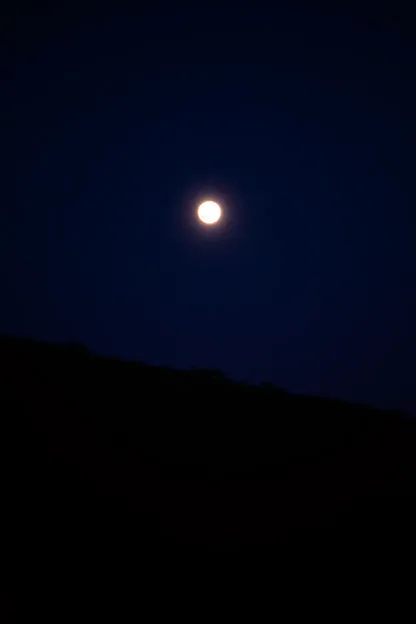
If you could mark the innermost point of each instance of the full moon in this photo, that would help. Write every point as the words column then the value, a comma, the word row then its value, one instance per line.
column 209, row 212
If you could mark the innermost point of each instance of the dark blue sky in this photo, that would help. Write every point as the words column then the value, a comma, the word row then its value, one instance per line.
column 302, row 124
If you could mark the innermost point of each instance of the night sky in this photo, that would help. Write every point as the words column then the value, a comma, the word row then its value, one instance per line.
column 300, row 123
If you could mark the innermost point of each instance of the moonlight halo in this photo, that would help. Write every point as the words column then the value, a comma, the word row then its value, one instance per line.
column 209, row 212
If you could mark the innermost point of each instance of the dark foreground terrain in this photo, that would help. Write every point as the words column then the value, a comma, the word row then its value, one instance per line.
column 109, row 460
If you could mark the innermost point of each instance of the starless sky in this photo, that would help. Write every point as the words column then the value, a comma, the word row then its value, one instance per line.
column 299, row 122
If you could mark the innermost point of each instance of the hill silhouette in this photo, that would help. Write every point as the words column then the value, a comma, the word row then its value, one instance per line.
column 101, row 451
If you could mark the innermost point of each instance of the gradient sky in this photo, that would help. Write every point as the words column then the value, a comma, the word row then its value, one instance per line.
column 302, row 124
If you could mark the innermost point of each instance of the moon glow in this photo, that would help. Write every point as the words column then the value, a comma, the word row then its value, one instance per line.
column 209, row 212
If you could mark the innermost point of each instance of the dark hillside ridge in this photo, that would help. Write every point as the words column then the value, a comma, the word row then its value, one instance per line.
column 181, row 457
